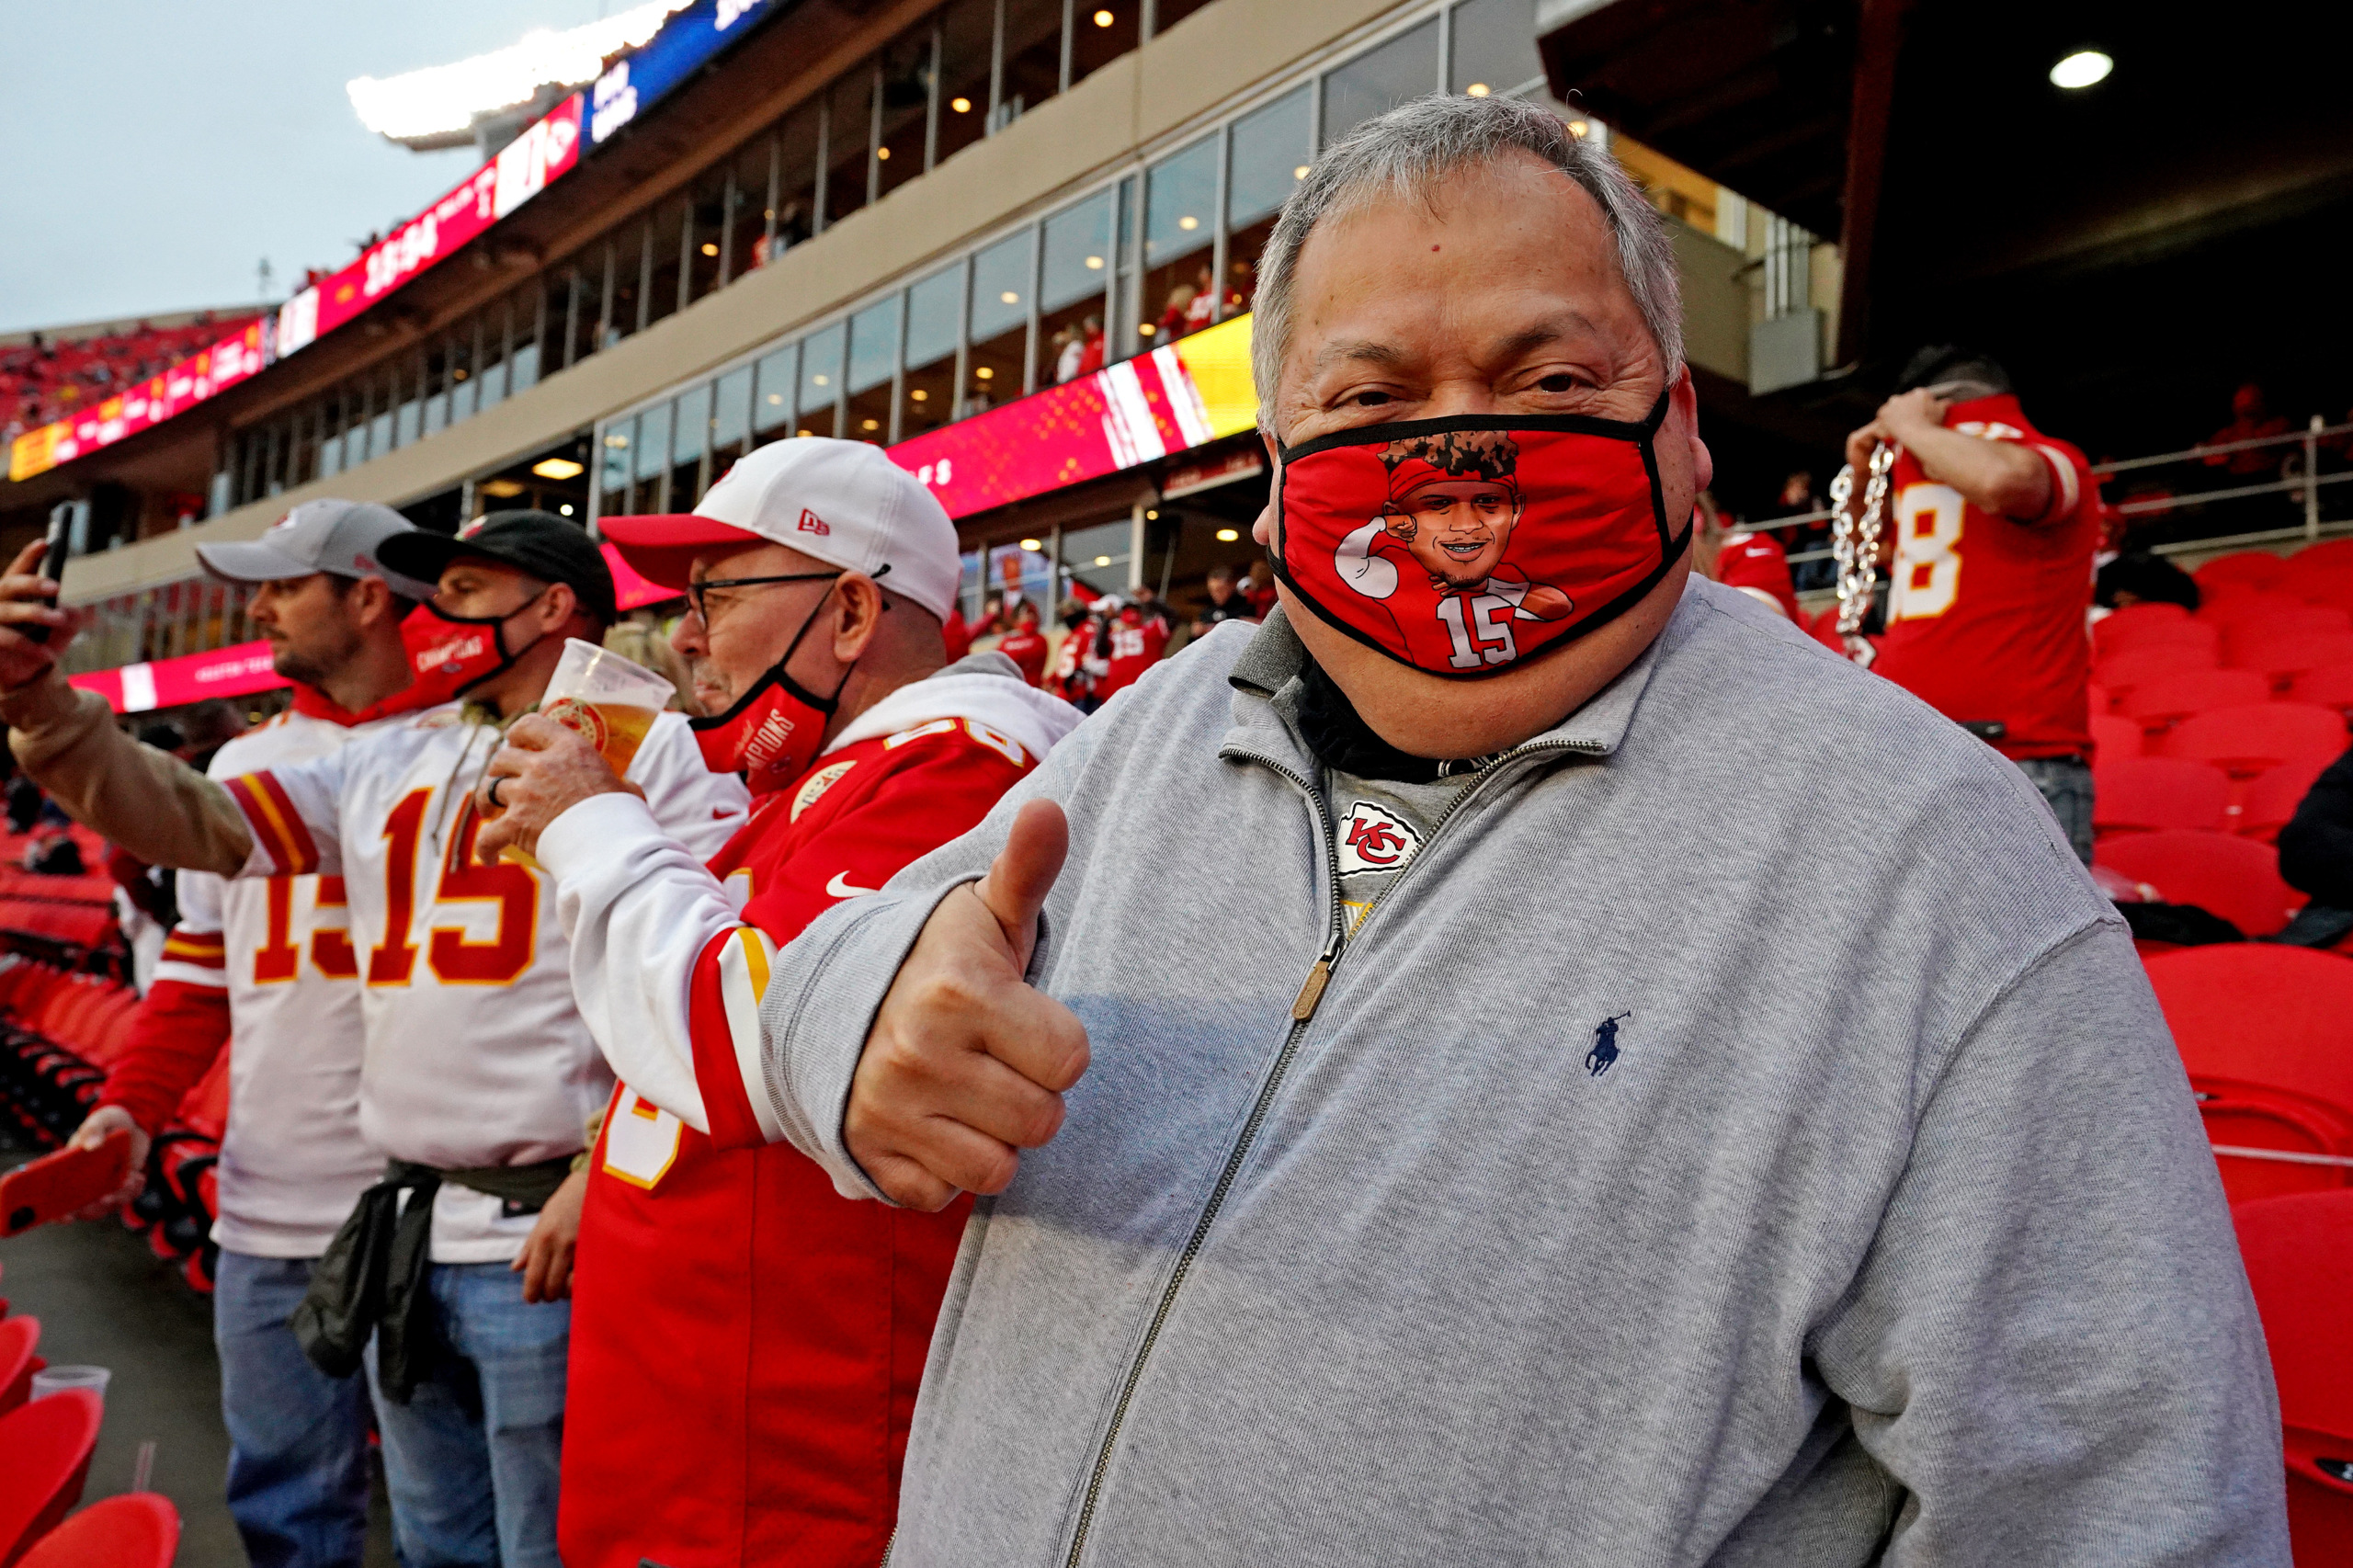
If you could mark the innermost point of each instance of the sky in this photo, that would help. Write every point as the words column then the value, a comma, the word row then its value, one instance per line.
column 154, row 151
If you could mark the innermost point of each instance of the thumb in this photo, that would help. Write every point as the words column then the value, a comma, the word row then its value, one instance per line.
column 1023, row 873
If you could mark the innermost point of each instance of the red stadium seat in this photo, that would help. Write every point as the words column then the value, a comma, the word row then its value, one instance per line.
column 48, row 1445
column 2149, row 794
column 2326, row 686
column 2299, row 1253
column 2113, row 738
column 2137, row 624
column 2120, row 672
column 2333, row 585
column 2282, row 658
column 138, row 1529
column 2160, row 701
column 2263, row 1032
column 2329, row 555
column 2235, row 878
column 2225, row 610
column 2259, row 567
column 2246, row 741
column 2269, row 801
column 19, row 1338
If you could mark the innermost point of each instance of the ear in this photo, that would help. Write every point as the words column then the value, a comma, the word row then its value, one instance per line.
column 557, row 609
column 1400, row 525
column 858, row 615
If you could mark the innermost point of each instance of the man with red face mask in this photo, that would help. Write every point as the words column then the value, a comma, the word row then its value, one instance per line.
column 1025, row 644
column 449, row 1280
column 745, row 1342
column 1995, row 527
column 1499, row 1174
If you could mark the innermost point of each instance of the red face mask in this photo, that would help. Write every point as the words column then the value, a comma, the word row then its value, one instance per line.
column 449, row 656
column 1464, row 546
column 772, row 733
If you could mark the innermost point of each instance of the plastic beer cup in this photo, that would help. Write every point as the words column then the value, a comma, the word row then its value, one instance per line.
column 609, row 700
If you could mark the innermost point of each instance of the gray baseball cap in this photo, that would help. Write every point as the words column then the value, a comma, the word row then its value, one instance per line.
column 341, row 536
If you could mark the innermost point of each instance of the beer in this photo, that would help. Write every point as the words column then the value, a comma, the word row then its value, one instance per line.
column 615, row 729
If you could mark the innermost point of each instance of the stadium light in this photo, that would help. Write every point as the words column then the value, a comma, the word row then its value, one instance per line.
column 2084, row 68
column 442, row 101
column 556, row 468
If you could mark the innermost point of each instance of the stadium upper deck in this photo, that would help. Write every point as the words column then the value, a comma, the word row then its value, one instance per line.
column 968, row 231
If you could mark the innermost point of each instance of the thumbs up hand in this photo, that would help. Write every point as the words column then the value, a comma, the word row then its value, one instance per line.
column 966, row 1063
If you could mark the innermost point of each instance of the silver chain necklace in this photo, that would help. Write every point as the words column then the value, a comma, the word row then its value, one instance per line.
column 1854, row 547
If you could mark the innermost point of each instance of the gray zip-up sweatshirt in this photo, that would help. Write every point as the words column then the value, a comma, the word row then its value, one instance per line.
column 1889, row 1234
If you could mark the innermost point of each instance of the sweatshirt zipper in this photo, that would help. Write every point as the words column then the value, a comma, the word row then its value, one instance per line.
column 1303, row 1011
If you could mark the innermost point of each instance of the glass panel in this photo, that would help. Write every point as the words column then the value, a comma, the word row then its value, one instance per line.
column 462, row 384
column 405, row 424
column 1168, row 13
column 873, row 353
column 796, row 211
column 906, row 101
column 689, row 436
column 654, row 441
column 706, row 217
column 614, row 468
column 1033, row 56
column 628, row 285
column 731, row 413
column 852, row 103
column 669, row 231
column 492, row 376
column 1071, row 292
column 1104, row 30
column 747, row 210
column 1098, row 556
column 931, row 355
column 772, row 395
column 1271, row 149
column 1494, row 47
column 523, row 368
column 821, row 372
column 967, row 31
column 1374, row 83
column 999, row 329
column 1179, row 203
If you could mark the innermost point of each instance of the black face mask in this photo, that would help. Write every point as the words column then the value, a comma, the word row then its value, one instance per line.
column 1342, row 741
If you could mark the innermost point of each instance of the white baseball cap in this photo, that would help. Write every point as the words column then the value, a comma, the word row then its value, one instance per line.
column 845, row 503
column 341, row 536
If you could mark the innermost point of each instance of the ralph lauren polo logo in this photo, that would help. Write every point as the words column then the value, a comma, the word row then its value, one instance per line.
column 1604, row 1054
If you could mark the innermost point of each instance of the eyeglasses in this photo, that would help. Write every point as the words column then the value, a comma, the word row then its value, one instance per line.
column 696, row 591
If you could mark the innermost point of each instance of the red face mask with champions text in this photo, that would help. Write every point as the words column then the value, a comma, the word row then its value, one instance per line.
column 1464, row 546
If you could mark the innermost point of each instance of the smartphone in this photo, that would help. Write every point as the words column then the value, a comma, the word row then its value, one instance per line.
column 57, row 1187
column 52, row 560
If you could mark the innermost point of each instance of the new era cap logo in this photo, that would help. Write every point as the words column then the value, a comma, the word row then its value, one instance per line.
column 811, row 523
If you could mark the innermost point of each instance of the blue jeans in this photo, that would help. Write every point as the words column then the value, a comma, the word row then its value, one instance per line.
column 471, row 1459
column 298, row 1438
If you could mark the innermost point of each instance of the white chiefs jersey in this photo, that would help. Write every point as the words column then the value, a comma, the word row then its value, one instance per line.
column 293, row 1160
column 476, row 1054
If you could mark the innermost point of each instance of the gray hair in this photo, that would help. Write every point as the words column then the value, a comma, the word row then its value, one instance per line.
column 1406, row 152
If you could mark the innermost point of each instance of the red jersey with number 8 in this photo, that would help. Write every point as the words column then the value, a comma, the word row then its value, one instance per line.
column 1985, row 619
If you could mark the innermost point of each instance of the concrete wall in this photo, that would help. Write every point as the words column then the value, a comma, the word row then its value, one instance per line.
column 1183, row 74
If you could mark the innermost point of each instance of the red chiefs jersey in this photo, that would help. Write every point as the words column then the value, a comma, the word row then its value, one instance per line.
column 1985, row 617
column 1753, row 562
column 1025, row 646
column 1134, row 649
column 745, row 1343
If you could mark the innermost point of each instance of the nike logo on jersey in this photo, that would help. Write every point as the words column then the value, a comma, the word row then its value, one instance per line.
column 840, row 887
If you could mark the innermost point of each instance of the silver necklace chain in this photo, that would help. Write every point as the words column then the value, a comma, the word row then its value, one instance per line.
column 1854, row 547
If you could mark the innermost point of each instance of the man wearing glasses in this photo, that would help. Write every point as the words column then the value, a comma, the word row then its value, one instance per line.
column 745, row 1343
column 479, row 1077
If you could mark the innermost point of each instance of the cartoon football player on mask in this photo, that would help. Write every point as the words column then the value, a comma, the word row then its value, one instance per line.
column 1453, row 502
